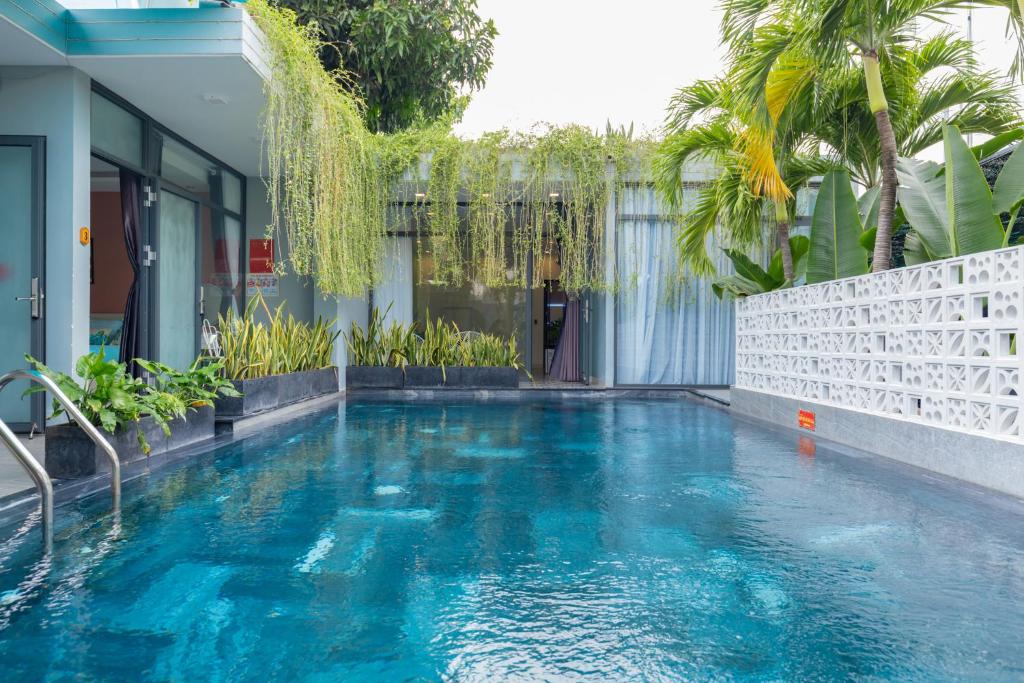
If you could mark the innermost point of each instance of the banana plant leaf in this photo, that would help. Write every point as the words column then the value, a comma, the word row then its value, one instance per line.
column 749, row 270
column 867, row 206
column 914, row 251
column 752, row 279
column 735, row 285
column 836, row 230
column 1009, row 189
column 973, row 223
column 922, row 195
column 799, row 245
column 994, row 144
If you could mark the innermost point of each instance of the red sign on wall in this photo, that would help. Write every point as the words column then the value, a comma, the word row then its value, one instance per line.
column 261, row 256
column 806, row 419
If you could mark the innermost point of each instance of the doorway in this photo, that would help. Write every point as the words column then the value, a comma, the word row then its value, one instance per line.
column 110, row 270
column 556, row 340
column 22, row 276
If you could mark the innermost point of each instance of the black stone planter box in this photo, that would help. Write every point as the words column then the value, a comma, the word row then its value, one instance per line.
column 71, row 454
column 363, row 377
column 483, row 378
column 366, row 377
column 267, row 393
column 417, row 377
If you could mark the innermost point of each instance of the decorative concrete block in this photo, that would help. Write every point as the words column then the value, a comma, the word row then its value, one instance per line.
column 935, row 343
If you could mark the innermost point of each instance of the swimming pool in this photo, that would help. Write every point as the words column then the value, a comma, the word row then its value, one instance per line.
column 609, row 540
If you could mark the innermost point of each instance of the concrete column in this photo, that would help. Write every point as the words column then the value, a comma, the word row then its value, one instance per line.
column 344, row 311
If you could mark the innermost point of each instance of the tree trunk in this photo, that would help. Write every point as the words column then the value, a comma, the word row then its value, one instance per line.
column 782, row 222
column 887, row 141
column 887, row 200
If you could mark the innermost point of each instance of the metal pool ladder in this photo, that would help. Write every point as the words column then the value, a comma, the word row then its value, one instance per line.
column 32, row 466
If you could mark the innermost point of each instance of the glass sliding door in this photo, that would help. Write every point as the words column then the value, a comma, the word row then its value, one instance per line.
column 221, row 245
column 21, row 273
column 177, row 291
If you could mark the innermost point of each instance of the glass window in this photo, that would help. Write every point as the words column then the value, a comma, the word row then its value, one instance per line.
column 199, row 175
column 221, row 274
column 471, row 305
column 187, row 169
column 116, row 131
column 231, row 189
column 176, row 285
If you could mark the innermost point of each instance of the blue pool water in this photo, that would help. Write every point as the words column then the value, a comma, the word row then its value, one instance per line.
column 537, row 541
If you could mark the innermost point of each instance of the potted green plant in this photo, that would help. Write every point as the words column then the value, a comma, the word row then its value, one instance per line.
column 141, row 419
column 133, row 414
column 199, row 388
column 273, row 364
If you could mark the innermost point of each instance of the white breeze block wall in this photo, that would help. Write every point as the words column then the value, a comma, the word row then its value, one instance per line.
column 937, row 344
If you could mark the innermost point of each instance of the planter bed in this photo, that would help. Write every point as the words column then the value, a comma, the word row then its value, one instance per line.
column 71, row 454
column 363, row 377
column 269, row 393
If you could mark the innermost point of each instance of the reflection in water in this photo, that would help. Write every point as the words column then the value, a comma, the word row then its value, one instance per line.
column 610, row 540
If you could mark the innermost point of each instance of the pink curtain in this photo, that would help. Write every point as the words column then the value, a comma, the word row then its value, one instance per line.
column 566, row 364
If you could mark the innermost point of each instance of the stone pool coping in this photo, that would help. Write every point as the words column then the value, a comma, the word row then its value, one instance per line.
column 806, row 444
column 971, row 459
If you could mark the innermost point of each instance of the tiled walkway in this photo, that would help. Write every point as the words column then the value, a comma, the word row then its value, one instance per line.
column 12, row 476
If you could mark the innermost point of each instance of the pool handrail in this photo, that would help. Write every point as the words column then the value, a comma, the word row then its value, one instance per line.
column 32, row 466
column 39, row 477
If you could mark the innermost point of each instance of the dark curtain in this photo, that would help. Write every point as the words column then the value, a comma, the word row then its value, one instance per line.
column 131, row 339
column 565, row 366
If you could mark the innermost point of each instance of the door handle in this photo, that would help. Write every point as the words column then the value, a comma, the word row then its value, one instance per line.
column 36, row 298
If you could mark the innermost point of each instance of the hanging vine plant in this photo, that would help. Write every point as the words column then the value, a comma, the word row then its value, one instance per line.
column 324, row 182
column 489, row 207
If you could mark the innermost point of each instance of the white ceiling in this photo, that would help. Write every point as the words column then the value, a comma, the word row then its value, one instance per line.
column 19, row 48
column 213, row 101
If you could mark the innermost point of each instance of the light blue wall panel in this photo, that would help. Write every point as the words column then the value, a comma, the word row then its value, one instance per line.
column 54, row 103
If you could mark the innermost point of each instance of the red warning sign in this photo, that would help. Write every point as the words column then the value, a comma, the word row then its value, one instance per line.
column 806, row 420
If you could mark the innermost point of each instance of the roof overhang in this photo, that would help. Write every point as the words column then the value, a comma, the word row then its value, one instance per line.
column 198, row 71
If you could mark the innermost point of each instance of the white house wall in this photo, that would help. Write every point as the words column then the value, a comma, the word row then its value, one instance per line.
column 296, row 292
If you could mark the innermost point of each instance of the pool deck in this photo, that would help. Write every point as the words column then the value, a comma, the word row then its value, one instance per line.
column 13, row 478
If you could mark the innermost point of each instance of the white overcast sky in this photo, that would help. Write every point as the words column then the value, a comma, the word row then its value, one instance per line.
column 591, row 61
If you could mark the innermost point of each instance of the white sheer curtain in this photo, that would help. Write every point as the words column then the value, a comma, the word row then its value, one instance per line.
column 395, row 287
column 667, row 331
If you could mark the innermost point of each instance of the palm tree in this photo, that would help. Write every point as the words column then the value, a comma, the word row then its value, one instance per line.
column 931, row 83
column 783, row 48
column 934, row 83
column 704, row 122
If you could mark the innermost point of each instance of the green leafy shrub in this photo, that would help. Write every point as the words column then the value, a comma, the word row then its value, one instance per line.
column 196, row 387
column 251, row 349
column 110, row 397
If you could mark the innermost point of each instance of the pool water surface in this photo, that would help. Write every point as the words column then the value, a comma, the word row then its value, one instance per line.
column 602, row 540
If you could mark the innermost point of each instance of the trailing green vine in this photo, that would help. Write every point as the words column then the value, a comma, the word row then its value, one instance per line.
column 324, row 183
column 488, row 208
